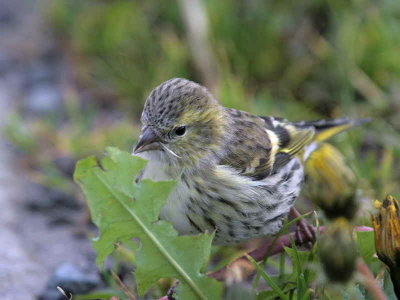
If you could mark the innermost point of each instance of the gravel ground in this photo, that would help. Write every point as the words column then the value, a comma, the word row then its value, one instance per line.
column 31, row 71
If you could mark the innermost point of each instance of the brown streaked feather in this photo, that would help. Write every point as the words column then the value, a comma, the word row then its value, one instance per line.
column 251, row 154
column 268, row 143
column 265, row 144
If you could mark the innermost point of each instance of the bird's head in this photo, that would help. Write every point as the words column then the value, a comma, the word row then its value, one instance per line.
column 183, row 120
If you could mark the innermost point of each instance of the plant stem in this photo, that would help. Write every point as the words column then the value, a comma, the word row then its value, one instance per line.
column 285, row 241
column 260, row 253
column 369, row 281
column 123, row 286
column 266, row 250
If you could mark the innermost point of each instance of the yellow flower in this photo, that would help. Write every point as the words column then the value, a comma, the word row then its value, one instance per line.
column 386, row 223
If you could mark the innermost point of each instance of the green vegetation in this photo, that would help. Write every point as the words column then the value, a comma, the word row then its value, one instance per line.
column 124, row 210
column 297, row 60
column 126, row 214
column 294, row 59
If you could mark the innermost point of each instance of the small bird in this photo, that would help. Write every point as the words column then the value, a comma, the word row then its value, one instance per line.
column 237, row 174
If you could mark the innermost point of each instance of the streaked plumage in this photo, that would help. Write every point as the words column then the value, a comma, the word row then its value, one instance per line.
column 237, row 173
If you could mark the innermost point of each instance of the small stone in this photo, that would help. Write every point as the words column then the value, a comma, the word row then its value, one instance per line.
column 43, row 98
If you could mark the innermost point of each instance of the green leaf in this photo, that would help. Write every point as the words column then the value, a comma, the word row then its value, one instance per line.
column 298, row 258
column 355, row 292
column 268, row 279
column 267, row 295
column 366, row 245
column 123, row 210
column 281, row 231
column 388, row 286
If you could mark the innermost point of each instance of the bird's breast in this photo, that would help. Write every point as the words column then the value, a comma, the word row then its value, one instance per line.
column 235, row 206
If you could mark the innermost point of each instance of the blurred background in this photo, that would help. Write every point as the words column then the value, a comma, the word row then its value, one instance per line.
column 74, row 76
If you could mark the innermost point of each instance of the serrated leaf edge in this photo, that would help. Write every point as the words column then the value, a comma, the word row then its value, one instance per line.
column 159, row 246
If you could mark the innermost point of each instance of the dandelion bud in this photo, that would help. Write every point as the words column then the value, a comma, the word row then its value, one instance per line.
column 337, row 251
column 331, row 183
column 386, row 223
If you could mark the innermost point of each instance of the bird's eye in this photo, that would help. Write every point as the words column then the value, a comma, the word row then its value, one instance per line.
column 181, row 130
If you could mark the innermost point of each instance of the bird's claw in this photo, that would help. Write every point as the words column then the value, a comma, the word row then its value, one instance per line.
column 305, row 233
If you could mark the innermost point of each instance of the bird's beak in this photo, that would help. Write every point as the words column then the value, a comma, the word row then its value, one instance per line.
column 148, row 140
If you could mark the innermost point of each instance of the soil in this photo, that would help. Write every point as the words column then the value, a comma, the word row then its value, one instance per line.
column 38, row 226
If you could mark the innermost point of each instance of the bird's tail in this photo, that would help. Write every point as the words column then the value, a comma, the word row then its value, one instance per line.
column 330, row 177
column 325, row 129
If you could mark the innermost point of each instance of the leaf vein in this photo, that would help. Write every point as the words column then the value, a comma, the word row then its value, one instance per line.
column 155, row 241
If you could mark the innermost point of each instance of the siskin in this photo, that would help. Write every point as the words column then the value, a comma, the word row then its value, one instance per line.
column 237, row 174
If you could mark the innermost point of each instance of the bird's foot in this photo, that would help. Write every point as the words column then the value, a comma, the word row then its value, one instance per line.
column 306, row 233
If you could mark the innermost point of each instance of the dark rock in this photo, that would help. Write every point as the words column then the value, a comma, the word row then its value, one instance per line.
column 65, row 164
column 61, row 219
column 72, row 280
column 63, row 200
column 59, row 208
column 47, row 200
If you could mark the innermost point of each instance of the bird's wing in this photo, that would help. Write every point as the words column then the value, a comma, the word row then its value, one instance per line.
column 292, row 139
column 295, row 136
column 263, row 144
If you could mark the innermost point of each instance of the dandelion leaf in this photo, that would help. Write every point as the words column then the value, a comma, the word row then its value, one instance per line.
column 124, row 210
